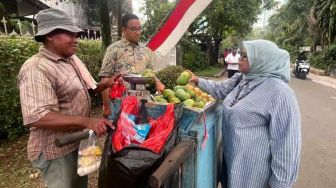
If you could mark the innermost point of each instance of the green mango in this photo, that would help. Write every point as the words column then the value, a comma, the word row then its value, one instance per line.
column 158, row 98
column 198, row 98
column 182, row 95
column 191, row 93
column 189, row 102
column 179, row 87
column 146, row 71
column 163, row 100
column 199, row 104
column 150, row 74
column 182, row 80
column 168, row 93
column 174, row 100
column 186, row 74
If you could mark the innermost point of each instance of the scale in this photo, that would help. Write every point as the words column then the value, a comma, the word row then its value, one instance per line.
column 138, row 86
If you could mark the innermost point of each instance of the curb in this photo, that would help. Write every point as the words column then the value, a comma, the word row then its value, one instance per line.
column 318, row 71
column 221, row 73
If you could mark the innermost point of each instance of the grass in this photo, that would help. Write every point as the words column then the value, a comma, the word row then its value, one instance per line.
column 210, row 71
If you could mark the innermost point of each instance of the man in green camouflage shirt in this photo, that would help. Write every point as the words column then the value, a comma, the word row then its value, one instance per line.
column 125, row 56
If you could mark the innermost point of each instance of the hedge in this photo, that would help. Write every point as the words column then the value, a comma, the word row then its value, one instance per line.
column 13, row 53
column 324, row 59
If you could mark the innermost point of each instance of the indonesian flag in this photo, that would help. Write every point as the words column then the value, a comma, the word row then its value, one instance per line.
column 184, row 13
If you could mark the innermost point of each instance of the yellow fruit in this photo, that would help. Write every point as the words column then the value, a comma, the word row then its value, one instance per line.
column 205, row 96
column 198, row 91
column 189, row 87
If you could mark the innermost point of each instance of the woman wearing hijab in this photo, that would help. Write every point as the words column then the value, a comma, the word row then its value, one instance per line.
column 261, row 119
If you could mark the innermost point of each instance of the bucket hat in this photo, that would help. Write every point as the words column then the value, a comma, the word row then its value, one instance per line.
column 51, row 19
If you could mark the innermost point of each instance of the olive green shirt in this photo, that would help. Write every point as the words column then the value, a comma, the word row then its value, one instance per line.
column 125, row 57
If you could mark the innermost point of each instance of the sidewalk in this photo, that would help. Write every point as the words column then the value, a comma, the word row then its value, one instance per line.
column 324, row 80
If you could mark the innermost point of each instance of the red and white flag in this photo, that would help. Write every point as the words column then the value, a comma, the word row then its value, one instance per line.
column 184, row 13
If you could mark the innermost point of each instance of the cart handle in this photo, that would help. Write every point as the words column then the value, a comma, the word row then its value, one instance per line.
column 71, row 138
column 172, row 162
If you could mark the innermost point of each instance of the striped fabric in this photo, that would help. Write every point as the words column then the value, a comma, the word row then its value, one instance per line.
column 50, row 83
column 261, row 131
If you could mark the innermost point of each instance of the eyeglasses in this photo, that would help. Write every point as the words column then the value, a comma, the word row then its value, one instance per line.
column 134, row 29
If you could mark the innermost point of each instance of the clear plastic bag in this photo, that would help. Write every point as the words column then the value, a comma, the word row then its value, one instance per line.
column 89, row 155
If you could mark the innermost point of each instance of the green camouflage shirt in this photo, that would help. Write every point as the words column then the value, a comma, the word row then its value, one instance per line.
column 123, row 56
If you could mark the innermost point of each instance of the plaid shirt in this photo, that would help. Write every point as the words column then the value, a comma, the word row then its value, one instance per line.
column 123, row 56
column 47, row 83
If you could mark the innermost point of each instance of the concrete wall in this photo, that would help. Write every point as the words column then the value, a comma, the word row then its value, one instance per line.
column 161, row 62
column 77, row 11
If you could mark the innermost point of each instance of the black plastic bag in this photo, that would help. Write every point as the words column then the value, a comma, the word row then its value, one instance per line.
column 132, row 166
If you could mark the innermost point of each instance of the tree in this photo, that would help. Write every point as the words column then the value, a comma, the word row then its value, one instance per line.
column 105, row 23
column 155, row 12
column 219, row 20
column 325, row 11
column 224, row 20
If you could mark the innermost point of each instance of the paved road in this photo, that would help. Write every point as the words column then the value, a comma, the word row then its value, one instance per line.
column 318, row 110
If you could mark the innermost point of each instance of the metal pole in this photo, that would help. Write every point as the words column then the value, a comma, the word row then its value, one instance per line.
column 4, row 23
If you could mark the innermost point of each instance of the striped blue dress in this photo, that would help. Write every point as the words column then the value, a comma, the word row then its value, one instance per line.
column 261, row 131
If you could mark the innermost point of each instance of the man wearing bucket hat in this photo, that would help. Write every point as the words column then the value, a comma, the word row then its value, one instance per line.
column 55, row 101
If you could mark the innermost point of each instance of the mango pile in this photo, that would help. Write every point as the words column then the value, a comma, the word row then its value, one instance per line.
column 148, row 73
column 190, row 95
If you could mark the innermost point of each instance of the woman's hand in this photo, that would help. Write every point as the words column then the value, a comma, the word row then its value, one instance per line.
column 193, row 78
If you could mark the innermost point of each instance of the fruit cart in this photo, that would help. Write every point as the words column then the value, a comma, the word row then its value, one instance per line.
column 195, row 158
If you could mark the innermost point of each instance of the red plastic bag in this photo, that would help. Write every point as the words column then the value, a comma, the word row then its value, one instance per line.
column 159, row 132
column 125, row 131
column 130, row 105
column 117, row 91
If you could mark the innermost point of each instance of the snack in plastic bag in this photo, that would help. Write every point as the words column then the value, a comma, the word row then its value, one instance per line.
column 142, row 132
column 159, row 129
column 132, row 133
column 89, row 155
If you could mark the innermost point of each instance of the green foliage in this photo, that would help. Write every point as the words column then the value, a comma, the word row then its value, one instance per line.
column 325, row 59
column 13, row 53
column 317, row 60
column 290, row 25
column 219, row 20
column 193, row 56
column 169, row 75
column 90, row 53
column 325, row 12
column 330, row 55
column 210, row 71
column 155, row 12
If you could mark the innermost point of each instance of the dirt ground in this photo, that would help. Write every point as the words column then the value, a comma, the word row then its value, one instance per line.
column 16, row 170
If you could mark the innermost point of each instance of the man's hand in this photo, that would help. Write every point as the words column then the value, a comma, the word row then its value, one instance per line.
column 193, row 78
column 106, row 111
column 110, row 81
column 99, row 126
